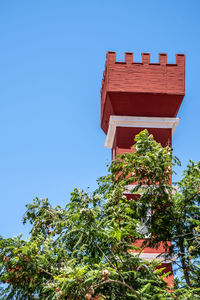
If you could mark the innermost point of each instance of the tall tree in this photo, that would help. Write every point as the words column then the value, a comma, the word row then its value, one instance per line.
column 86, row 250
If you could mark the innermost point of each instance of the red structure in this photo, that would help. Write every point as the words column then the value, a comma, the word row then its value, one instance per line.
column 135, row 96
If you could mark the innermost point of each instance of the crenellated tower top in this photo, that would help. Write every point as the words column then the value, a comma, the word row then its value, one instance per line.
column 141, row 89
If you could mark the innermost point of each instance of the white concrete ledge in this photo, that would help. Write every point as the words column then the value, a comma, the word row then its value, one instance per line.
column 129, row 188
column 143, row 122
column 157, row 256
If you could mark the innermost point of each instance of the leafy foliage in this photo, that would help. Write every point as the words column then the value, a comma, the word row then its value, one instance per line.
column 87, row 250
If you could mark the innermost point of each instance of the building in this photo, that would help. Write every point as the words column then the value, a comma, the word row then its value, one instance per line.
column 135, row 96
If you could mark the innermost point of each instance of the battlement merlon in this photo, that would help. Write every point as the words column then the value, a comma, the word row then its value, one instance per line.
column 111, row 58
column 128, row 86
column 145, row 76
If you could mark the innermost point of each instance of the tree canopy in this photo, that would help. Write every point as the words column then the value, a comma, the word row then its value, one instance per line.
column 87, row 249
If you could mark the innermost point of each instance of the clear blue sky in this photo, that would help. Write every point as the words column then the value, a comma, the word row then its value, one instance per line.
column 52, row 58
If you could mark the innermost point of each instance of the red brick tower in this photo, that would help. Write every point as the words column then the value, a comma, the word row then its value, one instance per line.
column 135, row 96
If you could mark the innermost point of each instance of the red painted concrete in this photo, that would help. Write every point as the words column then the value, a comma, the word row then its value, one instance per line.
column 159, row 249
column 141, row 89
column 170, row 278
column 124, row 137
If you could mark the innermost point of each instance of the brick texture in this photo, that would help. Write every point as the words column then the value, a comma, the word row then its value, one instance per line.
column 129, row 78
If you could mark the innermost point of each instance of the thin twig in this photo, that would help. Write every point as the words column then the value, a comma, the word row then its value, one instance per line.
column 47, row 272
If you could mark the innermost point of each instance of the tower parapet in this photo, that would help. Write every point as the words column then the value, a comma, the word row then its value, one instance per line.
column 141, row 89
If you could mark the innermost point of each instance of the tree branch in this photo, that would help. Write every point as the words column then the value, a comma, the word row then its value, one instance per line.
column 110, row 262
